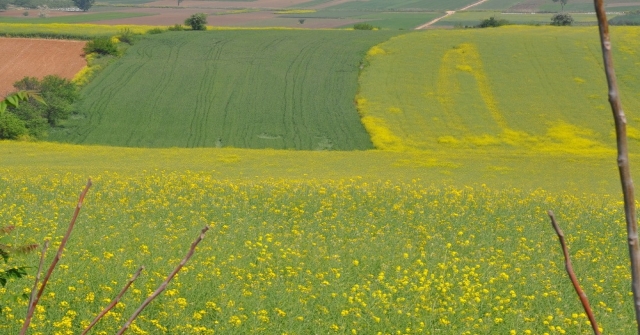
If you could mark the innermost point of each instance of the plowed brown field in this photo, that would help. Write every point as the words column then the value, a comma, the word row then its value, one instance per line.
column 21, row 57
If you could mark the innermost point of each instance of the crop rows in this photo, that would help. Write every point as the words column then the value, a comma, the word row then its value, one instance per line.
column 255, row 89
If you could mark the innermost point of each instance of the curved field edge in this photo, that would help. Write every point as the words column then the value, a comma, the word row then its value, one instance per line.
column 512, row 89
column 256, row 89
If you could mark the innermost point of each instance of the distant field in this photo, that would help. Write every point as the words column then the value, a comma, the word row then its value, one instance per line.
column 81, row 18
column 255, row 89
column 66, row 30
column 435, row 5
column 383, row 20
column 21, row 57
column 474, row 18
column 530, row 89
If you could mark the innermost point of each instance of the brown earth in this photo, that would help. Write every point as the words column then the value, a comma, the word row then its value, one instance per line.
column 21, row 57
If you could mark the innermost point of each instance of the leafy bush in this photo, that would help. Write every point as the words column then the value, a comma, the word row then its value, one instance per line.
column 155, row 31
column 362, row 26
column 101, row 45
column 492, row 22
column 176, row 27
column 84, row 4
column 11, row 127
column 562, row 19
column 197, row 21
column 126, row 35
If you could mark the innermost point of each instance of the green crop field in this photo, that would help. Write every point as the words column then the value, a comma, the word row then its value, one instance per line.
column 441, row 230
column 435, row 5
column 472, row 19
column 382, row 20
column 84, row 18
column 498, row 89
column 256, row 89
column 66, row 30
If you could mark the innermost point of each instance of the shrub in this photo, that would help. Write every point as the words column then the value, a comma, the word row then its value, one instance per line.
column 101, row 45
column 562, row 19
column 176, row 27
column 629, row 19
column 197, row 21
column 155, row 31
column 126, row 35
column 362, row 26
column 492, row 22
column 11, row 127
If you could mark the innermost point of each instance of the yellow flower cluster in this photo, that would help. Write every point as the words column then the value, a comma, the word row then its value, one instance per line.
column 317, row 256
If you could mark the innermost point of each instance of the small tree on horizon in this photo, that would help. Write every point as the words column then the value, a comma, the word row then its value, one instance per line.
column 562, row 3
column 197, row 21
column 84, row 4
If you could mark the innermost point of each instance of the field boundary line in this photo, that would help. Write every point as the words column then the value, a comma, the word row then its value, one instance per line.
column 448, row 13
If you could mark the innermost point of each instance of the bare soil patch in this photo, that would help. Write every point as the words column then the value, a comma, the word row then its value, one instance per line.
column 21, row 57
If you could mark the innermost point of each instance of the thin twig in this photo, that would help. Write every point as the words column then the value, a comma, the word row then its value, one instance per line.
column 35, row 284
column 623, row 157
column 32, row 305
column 572, row 275
column 114, row 302
column 164, row 284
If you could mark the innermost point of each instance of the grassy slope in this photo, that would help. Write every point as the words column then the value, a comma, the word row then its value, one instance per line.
column 257, row 89
column 474, row 18
column 523, row 89
column 403, row 5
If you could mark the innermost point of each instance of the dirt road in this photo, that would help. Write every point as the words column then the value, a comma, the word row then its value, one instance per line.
column 449, row 13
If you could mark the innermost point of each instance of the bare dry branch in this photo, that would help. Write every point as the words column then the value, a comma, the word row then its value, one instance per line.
column 114, row 302
column 35, row 284
column 623, row 156
column 32, row 305
column 572, row 275
column 164, row 284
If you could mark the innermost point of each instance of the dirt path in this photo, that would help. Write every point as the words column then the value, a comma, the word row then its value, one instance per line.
column 449, row 13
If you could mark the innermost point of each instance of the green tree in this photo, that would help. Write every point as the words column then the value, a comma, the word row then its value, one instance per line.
column 57, row 93
column 197, row 21
column 562, row 3
column 84, row 4
column 562, row 19
column 4, row 4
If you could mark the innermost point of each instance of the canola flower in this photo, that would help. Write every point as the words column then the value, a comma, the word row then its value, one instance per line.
column 342, row 256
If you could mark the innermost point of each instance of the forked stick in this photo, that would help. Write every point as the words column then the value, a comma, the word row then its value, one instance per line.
column 35, row 284
column 623, row 157
column 34, row 302
column 114, row 302
column 164, row 284
column 572, row 275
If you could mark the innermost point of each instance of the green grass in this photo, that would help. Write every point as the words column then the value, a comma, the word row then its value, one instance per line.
column 80, row 18
column 515, row 88
column 626, row 20
column 473, row 18
column 381, row 5
column 65, row 30
column 257, row 89
column 384, row 20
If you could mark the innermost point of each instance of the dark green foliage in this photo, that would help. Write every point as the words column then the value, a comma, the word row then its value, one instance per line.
column 125, row 35
column 11, row 127
column 84, row 4
column 155, row 31
column 176, row 27
column 362, row 26
column 101, row 45
column 36, row 113
column 3, row 4
column 562, row 19
column 492, row 22
column 197, row 21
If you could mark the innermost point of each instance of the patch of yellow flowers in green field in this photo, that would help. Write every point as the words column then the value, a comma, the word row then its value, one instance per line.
column 316, row 256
